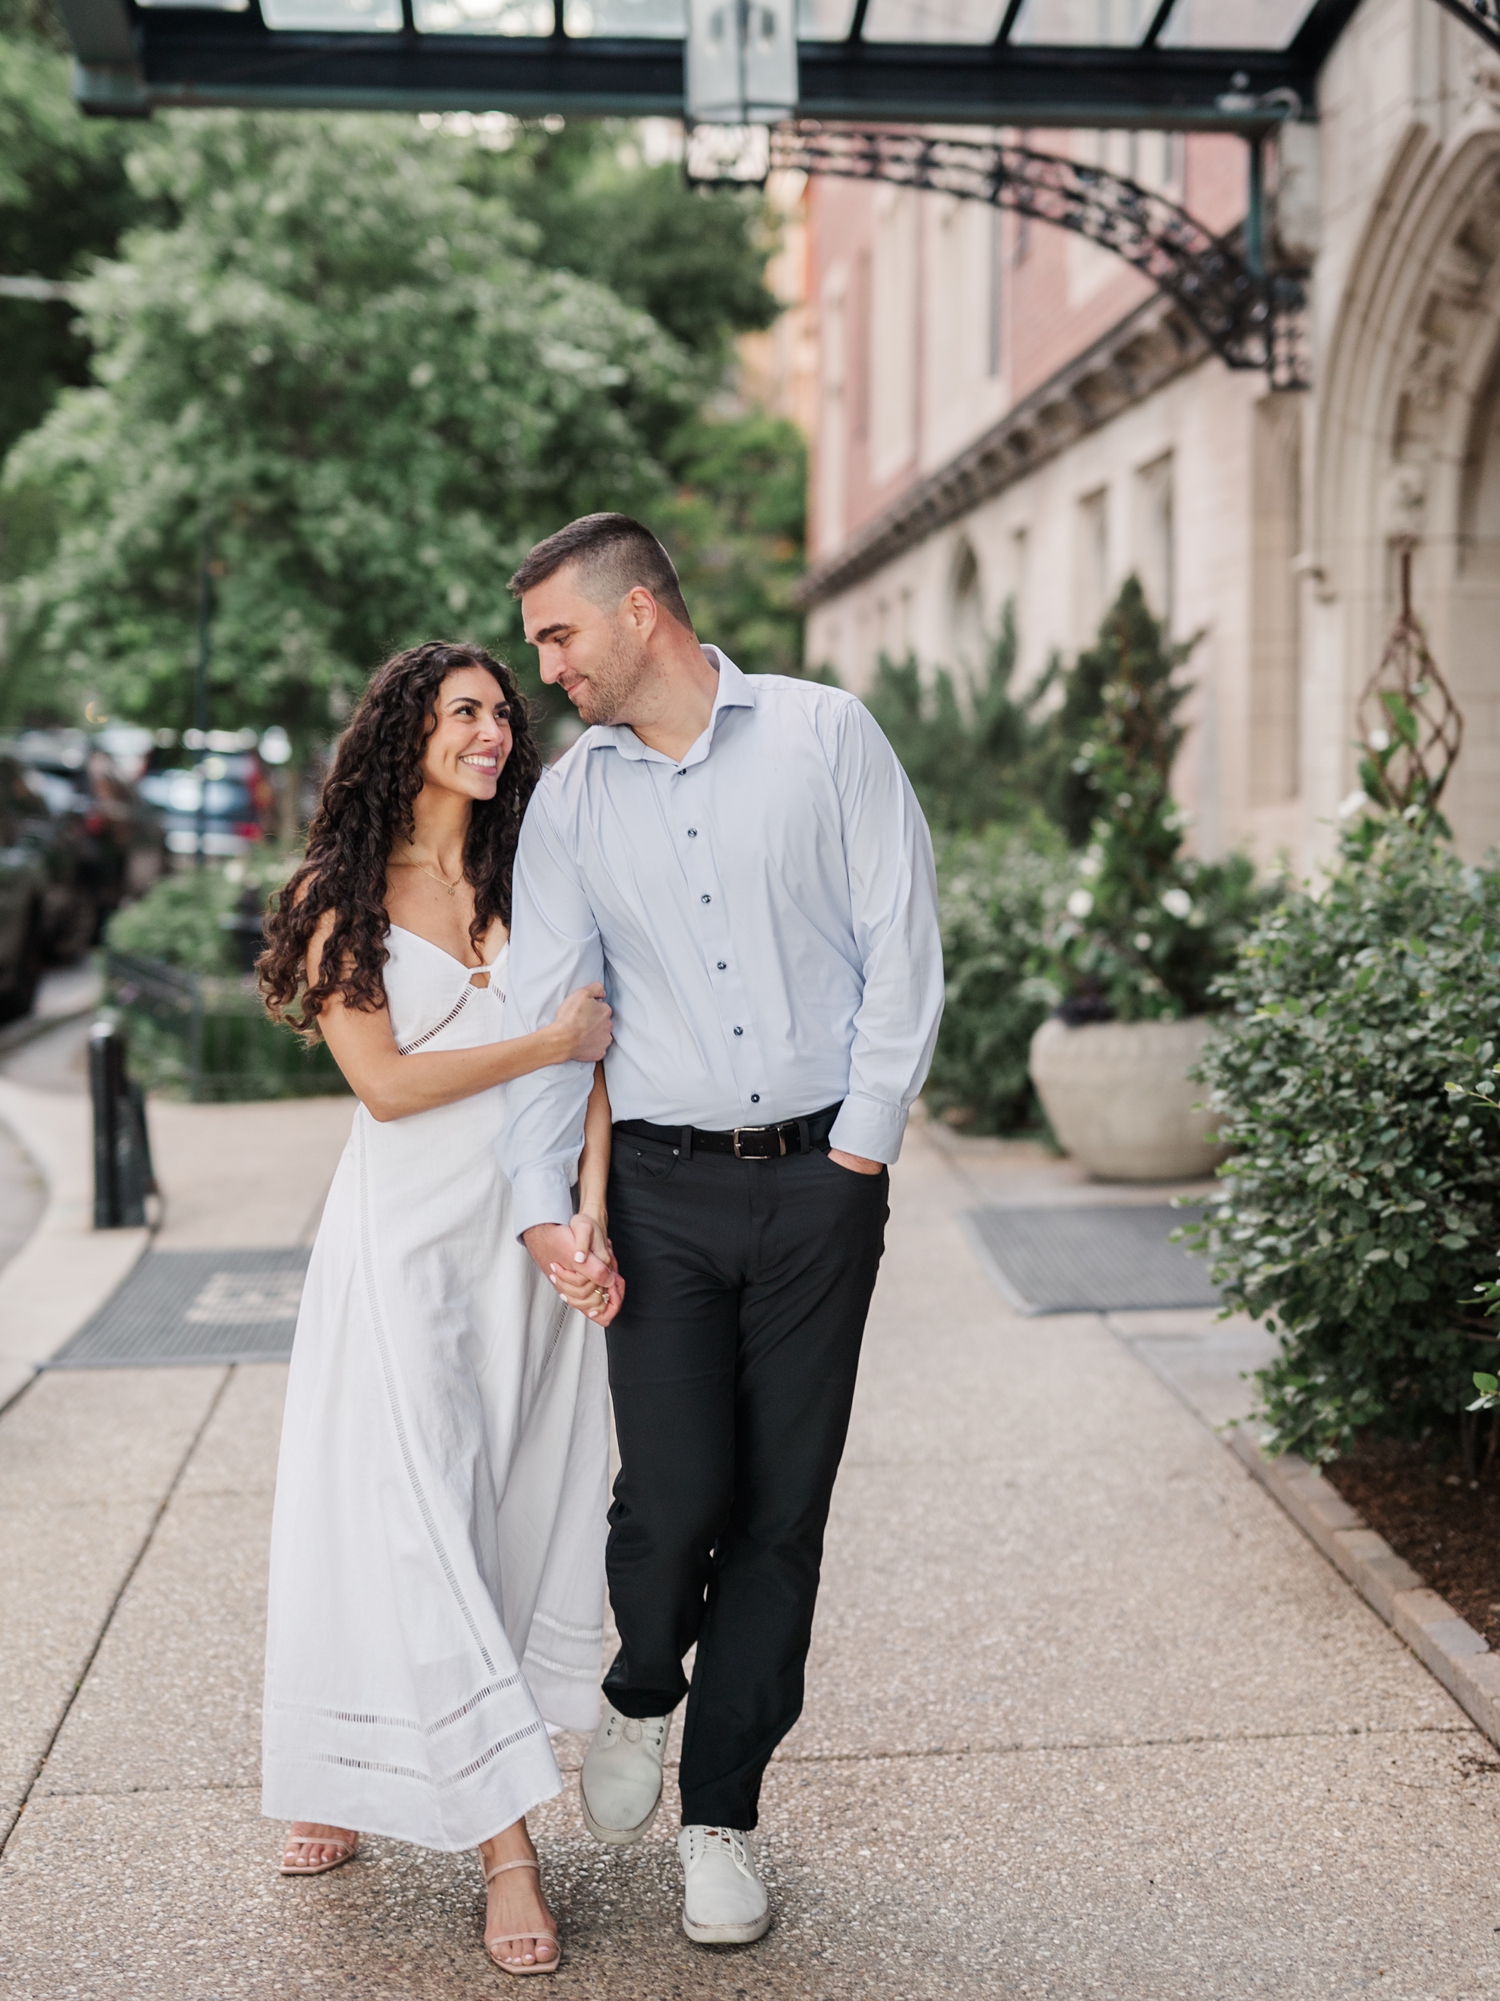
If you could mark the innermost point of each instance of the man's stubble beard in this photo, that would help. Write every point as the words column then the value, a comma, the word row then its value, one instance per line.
column 609, row 687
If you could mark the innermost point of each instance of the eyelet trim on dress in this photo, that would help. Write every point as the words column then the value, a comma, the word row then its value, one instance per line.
column 408, row 1772
column 568, row 1672
column 406, row 1048
column 404, row 1722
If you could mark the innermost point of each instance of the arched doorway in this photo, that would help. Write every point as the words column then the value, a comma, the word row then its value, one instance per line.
column 1408, row 446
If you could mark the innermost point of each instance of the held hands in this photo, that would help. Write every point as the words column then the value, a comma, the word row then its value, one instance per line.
column 579, row 1262
column 586, row 1023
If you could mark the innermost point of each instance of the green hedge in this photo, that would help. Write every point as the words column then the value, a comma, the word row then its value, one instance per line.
column 196, row 1024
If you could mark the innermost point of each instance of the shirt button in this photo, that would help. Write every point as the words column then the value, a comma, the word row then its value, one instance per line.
column 721, row 965
column 692, row 833
column 739, row 1031
column 755, row 1097
column 705, row 899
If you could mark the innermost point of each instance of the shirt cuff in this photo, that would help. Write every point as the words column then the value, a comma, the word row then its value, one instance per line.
column 871, row 1127
column 540, row 1195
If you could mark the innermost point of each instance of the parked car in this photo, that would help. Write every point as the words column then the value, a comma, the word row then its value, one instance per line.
column 119, row 839
column 26, row 888
column 233, row 794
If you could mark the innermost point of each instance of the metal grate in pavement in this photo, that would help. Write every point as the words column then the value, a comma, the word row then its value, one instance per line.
column 180, row 1307
column 1094, row 1260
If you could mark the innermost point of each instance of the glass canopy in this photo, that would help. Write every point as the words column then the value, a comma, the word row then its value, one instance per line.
column 1070, row 24
column 1173, row 64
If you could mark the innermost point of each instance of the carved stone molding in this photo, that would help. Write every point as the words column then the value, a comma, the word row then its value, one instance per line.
column 1138, row 356
column 1482, row 81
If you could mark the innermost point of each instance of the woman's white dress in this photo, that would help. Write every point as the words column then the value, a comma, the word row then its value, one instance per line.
column 437, row 1552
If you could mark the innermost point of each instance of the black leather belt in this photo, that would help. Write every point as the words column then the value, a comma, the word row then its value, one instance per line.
column 745, row 1142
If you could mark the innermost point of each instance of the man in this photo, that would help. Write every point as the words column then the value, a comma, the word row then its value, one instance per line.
column 743, row 864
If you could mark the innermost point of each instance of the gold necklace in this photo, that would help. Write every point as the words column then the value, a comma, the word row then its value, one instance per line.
column 451, row 887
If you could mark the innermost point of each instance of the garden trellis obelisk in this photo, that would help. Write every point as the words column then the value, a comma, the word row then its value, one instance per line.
column 1409, row 724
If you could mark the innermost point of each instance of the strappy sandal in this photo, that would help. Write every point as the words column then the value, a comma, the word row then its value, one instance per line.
column 508, row 1938
column 347, row 1852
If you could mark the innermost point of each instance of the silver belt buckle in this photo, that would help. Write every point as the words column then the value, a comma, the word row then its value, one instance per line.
column 780, row 1141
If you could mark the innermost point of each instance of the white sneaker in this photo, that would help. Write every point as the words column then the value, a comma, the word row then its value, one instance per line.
column 724, row 1902
column 621, row 1781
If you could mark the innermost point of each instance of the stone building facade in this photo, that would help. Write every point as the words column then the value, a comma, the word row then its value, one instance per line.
column 1004, row 411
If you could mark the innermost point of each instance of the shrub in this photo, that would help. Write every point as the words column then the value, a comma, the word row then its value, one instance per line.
column 1146, row 930
column 994, row 890
column 967, row 753
column 1132, row 648
column 1358, row 1212
column 183, row 921
column 196, row 1024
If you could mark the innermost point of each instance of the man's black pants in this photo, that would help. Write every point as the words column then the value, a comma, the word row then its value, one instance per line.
column 732, row 1367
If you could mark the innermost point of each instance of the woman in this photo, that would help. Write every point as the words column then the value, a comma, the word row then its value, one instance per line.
column 437, row 1549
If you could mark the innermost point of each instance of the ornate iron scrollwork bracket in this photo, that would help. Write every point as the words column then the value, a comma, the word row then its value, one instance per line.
column 1250, row 319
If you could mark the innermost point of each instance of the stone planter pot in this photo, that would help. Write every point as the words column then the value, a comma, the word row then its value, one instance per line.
column 1119, row 1098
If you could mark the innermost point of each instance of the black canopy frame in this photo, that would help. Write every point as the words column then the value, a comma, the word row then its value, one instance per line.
column 132, row 59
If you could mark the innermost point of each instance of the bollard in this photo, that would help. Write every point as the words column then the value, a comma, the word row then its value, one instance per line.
column 122, row 1151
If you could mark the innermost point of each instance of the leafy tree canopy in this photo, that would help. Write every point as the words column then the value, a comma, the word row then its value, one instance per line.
column 735, row 525
column 64, row 197
column 349, row 360
column 694, row 259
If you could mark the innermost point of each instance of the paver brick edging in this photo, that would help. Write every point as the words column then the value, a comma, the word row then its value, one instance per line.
column 1446, row 1645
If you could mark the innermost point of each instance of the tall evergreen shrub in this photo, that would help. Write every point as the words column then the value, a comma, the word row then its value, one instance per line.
column 1147, row 928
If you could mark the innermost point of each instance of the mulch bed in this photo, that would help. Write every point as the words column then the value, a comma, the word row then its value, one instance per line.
column 1445, row 1525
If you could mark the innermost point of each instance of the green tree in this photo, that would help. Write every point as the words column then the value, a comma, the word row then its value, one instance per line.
column 735, row 526
column 694, row 259
column 64, row 198
column 349, row 361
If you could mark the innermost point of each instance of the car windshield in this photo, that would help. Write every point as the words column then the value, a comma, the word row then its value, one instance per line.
column 179, row 792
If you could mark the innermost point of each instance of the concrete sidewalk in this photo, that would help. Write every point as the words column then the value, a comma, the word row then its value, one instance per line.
column 1086, row 1715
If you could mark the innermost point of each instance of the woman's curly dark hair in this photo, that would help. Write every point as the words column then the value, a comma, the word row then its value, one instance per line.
column 366, row 808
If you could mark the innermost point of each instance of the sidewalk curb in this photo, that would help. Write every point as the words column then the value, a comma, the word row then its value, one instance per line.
column 66, row 1269
column 18, row 1033
column 1445, row 1644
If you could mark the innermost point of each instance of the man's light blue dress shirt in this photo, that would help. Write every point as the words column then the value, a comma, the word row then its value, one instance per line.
column 762, row 912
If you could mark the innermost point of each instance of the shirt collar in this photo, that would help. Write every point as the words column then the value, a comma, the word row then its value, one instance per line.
column 735, row 691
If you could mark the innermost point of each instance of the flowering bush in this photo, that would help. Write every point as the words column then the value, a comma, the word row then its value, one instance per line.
column 1359, row 1205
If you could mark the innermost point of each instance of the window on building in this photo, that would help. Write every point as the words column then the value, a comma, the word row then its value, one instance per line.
column 1155, row 538
column 833, row 443
column 994, row 294
column 953, row 322
column 966, row 611
column 1017, row 589
column 893, row 333
column 1091, row 599
column 1276, row 537
column 859, row 350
